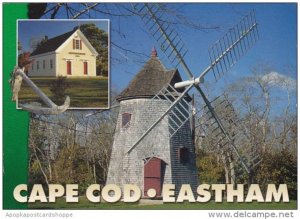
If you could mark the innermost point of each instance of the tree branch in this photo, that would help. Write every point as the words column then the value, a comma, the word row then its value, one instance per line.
column 85, row 10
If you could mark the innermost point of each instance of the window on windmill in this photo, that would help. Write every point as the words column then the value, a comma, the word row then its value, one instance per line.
column 183, row 155
column 126, row 117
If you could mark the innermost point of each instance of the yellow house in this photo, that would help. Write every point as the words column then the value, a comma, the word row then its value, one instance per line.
column 69, row 54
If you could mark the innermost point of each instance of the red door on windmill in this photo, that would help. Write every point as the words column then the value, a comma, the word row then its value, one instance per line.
column 153, row 175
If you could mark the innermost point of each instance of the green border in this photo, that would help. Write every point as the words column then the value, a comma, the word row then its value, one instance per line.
column 15, row 122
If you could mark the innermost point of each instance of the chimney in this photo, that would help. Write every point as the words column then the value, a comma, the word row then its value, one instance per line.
column 153, row 53
column 46, row 38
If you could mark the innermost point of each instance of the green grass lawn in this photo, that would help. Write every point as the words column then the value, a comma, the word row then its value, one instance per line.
column 84, row 92
column 85, row 204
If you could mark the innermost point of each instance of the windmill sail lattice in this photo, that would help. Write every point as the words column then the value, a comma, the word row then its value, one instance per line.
column 223, row 55
column 161, row 117
column 233, row 45
column 180, row 113
column 156, row 21
column 239, row 134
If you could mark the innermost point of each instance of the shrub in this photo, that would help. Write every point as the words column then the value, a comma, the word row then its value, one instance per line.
column 58, row 89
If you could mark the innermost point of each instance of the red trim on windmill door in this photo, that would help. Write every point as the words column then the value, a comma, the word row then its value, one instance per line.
column 153, row 175
column 85, row 68
column 69, row 68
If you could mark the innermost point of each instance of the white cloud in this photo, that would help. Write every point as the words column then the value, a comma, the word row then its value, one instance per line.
column 279, row 80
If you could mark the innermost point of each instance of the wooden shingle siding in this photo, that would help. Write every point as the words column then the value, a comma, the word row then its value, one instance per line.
column 129, row 168
column 125, row 168
column 184, row 173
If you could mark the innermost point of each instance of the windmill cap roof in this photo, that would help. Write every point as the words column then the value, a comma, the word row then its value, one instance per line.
column 150, row 80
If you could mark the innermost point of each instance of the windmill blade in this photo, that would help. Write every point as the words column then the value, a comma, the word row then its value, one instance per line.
column 241, row 135
column 180, row 113
column 222, row 129
column 247, row 152
column 160, row 27
column 225, row 53
column 16, row 81
column 233, row 45
column 173, row 104
column 155, row 19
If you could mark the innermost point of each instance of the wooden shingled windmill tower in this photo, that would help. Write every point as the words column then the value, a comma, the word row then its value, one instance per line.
column 153, row 142
column 166, row 155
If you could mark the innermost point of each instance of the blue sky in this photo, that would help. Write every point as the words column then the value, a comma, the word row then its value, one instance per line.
column 277, row 45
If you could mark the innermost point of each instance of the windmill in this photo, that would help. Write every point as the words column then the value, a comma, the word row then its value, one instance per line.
column 223, row 55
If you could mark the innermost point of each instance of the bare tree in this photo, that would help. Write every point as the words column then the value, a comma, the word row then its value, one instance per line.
column 72, row 146
column 264, row 116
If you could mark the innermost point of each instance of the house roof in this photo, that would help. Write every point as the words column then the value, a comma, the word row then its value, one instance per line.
column 150, row 80
column 52, row 44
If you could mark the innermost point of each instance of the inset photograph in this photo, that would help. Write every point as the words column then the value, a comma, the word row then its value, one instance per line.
column 65, row 58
